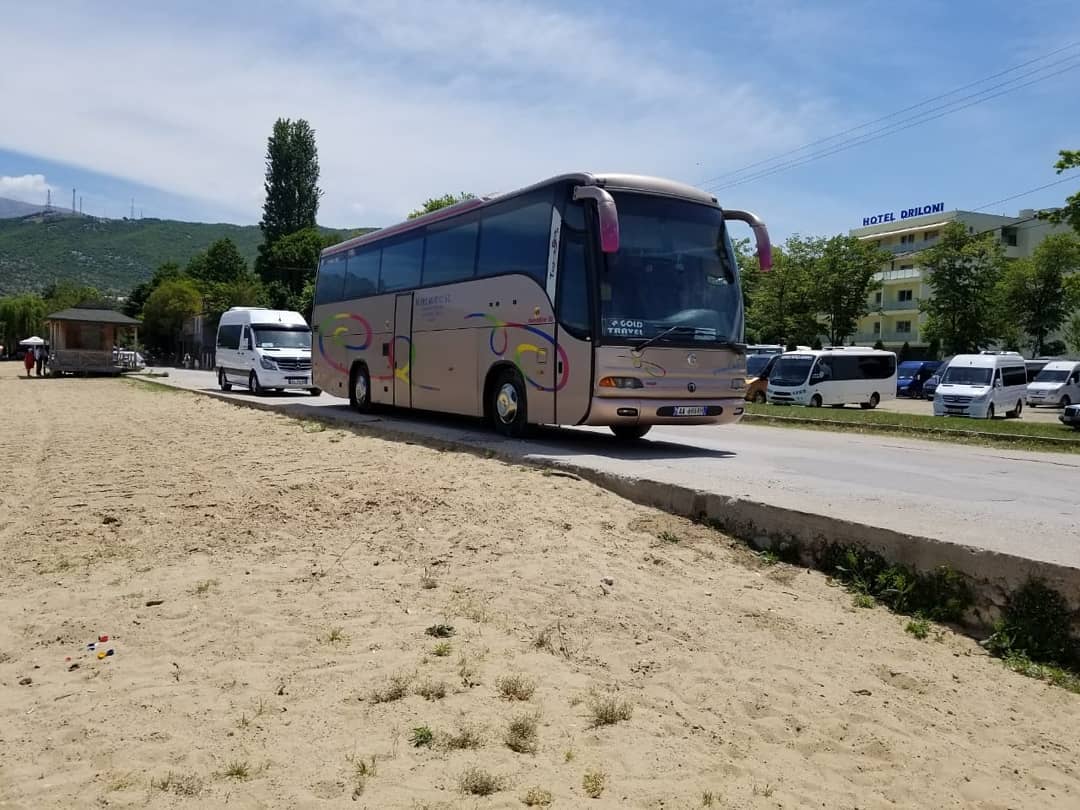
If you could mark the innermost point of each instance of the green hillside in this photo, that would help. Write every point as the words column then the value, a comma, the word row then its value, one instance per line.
column 111, row 255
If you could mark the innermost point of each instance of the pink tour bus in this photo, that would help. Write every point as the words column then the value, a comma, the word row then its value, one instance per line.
column 587, row 299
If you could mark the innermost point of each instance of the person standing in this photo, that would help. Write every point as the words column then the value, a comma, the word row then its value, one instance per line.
column 39, row 358
column 28, row 361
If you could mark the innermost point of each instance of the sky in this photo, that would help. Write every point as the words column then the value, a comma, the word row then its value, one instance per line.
column 171, row 103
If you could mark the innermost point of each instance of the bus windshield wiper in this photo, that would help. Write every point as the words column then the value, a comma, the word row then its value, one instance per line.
column 646, row 343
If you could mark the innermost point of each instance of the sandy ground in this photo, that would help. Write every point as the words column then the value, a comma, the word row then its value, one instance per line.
column 298, row 569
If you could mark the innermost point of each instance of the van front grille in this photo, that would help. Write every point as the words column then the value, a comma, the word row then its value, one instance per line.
column 293, row 363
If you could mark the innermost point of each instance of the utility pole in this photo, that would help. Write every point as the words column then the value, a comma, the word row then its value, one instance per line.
column 73, row 201
column 48, row 199
column 132, row 208
column 80, row 205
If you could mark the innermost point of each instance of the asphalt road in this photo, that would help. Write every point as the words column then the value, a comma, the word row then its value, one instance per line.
column 1018, row 502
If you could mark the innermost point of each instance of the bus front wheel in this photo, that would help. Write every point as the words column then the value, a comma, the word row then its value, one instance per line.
column 508, row 406
column 815, row 401
column 360, row 389
column 630, row 432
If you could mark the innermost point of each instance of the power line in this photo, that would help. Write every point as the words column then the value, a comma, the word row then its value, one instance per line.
column 885, row 132
column 923, row 103
column 1025, row 193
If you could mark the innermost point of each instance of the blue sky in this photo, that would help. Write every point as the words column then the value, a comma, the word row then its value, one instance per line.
column 171, row 103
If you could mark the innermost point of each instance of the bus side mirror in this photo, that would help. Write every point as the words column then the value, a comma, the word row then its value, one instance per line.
column 761, row 235
column 608, row 213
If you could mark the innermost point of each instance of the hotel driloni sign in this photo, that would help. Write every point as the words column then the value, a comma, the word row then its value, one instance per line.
column 907, row 213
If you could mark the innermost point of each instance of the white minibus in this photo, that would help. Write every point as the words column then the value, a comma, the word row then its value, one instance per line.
column 1057, row 385
column 833, row 376
column 982, row 386
column 265, row 350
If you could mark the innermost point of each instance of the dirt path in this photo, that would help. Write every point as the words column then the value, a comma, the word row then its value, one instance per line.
column 298, row 569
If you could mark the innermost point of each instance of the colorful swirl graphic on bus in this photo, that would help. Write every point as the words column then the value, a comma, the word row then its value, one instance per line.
column 500, row 329
column 338, row 335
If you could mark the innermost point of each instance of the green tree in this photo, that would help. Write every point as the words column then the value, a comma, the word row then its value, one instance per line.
column 168, row 307
column 963, row 271
column 783, row 306
column 292, row 195
column 133, row 305
column 1070, row 213
column 20, row 317
column 1035, row 294
column 843, row 278
column 435, row 203
column 1071, row 332
column 294, row 259
column 221, row 263
column 66, row 294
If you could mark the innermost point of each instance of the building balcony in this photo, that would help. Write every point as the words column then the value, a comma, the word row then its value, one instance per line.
column 889, row 338
column 895, row 306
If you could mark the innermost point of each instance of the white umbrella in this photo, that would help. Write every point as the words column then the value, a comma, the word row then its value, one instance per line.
column 32, row 341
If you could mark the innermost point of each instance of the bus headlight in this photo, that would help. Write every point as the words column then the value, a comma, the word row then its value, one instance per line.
column 621, row 382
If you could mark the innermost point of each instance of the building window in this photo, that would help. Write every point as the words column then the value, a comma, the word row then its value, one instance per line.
column 903, row 327
column 904, row 295
column 877, row 327
column 907, row 239
column 877, row 298
column 1008, row 237
column 907, row 267
column 930, row 235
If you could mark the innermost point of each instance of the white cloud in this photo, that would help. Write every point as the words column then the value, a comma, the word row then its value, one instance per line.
column 408, row 100
column 29, row 188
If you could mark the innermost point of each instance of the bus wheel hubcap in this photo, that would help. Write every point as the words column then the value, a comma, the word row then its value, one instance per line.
column 506, row 403
column 361, row 389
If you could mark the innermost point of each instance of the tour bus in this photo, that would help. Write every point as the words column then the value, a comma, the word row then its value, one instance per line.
column 585, row 299
column 833, row 376
column 982, row 386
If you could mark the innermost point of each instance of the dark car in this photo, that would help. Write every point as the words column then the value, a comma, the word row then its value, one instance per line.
column 911, row 376
column 1071, row 417
column 931, row 384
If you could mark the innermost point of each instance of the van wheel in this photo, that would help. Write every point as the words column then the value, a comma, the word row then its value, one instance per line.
column 759, row 397
column 990, row 411
column 360, row 389
column 508, row 407
column 1065, row 402
column 875, row 400
column 1015, row 412
column 815, row 401
column 223, row 381
column 254, row 386
column 630, row 432
column 315, row 391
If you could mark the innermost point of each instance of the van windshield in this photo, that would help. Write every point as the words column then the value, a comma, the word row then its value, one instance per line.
column 908, row 369
column 791, row 369
column 282, row 337
column 966, row 375
column 1052, row 376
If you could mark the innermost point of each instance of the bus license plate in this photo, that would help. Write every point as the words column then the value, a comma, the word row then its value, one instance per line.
column 689, row 410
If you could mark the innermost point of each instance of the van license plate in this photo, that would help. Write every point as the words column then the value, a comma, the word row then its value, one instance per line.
column 296, row 380
column 689, row 410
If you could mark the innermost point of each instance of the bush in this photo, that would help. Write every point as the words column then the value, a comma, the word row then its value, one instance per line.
column 1037, row 624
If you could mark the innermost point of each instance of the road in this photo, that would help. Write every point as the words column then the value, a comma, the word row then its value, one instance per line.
column 1016, row 502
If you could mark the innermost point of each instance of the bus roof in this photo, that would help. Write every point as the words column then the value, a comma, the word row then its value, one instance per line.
column 610, row 181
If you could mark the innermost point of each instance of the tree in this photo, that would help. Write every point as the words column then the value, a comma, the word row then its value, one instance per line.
column 20, row 317
column 1071, row 332
column 749, row 278
column 223, row 279
column 842, row 281
column 435, row 203
column 1035, row 294
column 783, row 305
column 133, row 306
column 1070, row 213
column 221, row 263
column 963, row 270
column 291, row 263
column 173, row 302
column 66, row 294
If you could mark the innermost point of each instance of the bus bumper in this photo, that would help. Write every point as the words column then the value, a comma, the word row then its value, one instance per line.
column 607, row 411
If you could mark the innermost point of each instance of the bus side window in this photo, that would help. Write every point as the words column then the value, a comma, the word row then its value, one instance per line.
column 573, row 294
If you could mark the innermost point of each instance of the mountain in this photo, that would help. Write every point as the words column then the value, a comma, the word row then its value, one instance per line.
column 112, row 255
column 9, row 209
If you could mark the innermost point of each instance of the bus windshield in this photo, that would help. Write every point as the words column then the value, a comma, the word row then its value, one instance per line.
column 791, row 369
column 674, row 268
column 756, row 363
column 967, row 375
column 282, row 337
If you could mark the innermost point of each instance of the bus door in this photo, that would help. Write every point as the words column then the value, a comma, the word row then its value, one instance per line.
column 401, row 350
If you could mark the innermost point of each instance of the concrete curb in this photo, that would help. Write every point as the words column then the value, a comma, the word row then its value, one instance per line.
column 993, row 575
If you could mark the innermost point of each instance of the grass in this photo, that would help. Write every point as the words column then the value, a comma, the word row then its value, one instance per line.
column 918, row 627
column 993, row 432
column 468, row 671
column 521, row 734
column 312, row 426
column 422, row 737
column 467, row 737
column 593, row 783
column 123, row 782
column 238, row 770
column 394, row 688
column 432, row 690
column 335, row 635
column 537, row 797
column 179, row 784
column 668, row 537
column 442, row 649
column 205, row 587
column 609, row 709
column 863, row 600
column 440, row 630
column 363, row 769
column 428, row 581
column 515, row 687
column 707, row 798
column 478, row 782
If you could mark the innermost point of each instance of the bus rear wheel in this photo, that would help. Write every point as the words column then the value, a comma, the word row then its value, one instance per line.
column 630, row 432
column 508, row 406
column 360, row 389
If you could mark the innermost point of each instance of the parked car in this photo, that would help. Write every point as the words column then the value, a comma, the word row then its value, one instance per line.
column 1071, row 417
column 911, row 376
column 982, row 385
column 758, row 368
column 1057, row 385
column 934, row 380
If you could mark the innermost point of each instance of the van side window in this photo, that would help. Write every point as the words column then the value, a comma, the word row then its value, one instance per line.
column 228, row 337
column 1014, row 376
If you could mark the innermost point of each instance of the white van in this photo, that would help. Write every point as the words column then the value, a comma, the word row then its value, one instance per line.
column 265, row 350
column 1058, row 385
column 833, row 376
column 982, row 386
